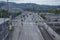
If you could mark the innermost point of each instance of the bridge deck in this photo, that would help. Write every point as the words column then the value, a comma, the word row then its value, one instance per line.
column 28, row 30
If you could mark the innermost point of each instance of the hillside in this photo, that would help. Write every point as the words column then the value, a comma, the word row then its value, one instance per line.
column 26, row 6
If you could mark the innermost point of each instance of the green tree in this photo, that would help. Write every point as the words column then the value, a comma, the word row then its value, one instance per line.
column 3, row 14
column 55, row 11
column 43, row 16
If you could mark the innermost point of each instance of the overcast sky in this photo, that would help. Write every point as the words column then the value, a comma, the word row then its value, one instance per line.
column 46, row 2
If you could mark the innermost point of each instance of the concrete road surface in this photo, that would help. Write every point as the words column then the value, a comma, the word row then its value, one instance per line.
column 28, row 31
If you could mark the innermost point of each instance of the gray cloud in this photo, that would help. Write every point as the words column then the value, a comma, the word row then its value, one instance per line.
column 47, row 2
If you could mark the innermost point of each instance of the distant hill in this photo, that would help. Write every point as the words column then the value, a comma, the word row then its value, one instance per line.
column 25, row 6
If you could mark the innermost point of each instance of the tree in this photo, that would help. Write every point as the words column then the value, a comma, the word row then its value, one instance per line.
column 43, row 16
column 3, row 14
column 55, row 11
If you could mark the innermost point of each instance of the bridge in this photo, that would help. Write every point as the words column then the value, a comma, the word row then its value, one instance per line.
column 29, row 26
